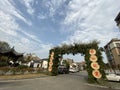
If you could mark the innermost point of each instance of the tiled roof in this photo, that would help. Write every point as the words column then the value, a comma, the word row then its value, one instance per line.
column 12, row 50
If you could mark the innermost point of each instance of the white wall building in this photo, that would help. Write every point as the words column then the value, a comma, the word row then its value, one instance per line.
column 45, row 63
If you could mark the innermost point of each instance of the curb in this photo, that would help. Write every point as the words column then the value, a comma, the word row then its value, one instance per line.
column 101, row 86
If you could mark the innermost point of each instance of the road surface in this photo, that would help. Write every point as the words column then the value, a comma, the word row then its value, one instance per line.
column 73, row 81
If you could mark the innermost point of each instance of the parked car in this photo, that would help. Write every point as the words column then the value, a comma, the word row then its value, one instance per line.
column 73, row 70
column 62, row 69
column 113, row 77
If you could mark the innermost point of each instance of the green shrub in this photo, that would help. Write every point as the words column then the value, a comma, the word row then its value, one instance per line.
column 4, row 69
column 2, row 64
column 22, row 67
column 14, row 70
column 39, row 70
column 30, row 70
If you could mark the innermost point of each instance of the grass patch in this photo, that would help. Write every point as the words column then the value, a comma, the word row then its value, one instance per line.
column 24, row 76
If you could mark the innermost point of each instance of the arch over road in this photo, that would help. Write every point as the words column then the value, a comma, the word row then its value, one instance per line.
column 91, row 52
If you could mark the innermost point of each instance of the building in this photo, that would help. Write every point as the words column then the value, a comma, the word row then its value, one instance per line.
column 117, row 20
column 35, row 63
column 45, row 63
column 112, row 50
column 70, row 61
column 32, row 60
column 12, row 57
column 82, row 65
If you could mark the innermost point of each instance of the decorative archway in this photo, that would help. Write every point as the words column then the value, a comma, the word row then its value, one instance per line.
column 91, row 52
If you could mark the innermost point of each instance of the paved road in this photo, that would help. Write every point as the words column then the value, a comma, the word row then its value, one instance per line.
column 73, row 81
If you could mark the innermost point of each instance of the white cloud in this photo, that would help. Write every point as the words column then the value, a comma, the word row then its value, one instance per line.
column 53, row 5
column 25, row 45
column 28, row 4
column 31, row 36
column 9, row 28
column 25, row 40
column 41, row 16
column 92, row 19
column 8, row 7
column 8, row 24
column 50, row 8
column 43, row 50
column 85, row 19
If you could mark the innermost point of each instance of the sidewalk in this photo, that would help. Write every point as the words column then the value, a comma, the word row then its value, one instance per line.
column 115, row 85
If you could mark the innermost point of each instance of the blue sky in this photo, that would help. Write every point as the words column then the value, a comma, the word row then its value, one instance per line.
column 35, row 26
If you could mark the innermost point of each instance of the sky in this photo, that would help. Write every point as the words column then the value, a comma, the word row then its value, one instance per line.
column 36, row 26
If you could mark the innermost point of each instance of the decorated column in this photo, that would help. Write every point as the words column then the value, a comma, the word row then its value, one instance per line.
column 51, row 62
column 94, row 64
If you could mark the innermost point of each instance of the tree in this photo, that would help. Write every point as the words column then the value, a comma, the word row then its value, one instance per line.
column 66, row 64
column 4, row 46
column 29, row 57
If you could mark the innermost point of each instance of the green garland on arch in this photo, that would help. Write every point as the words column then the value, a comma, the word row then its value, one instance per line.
column 83, row 49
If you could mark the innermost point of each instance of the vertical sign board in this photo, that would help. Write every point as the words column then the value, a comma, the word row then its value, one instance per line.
column 51, row 61
column 93, row 58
